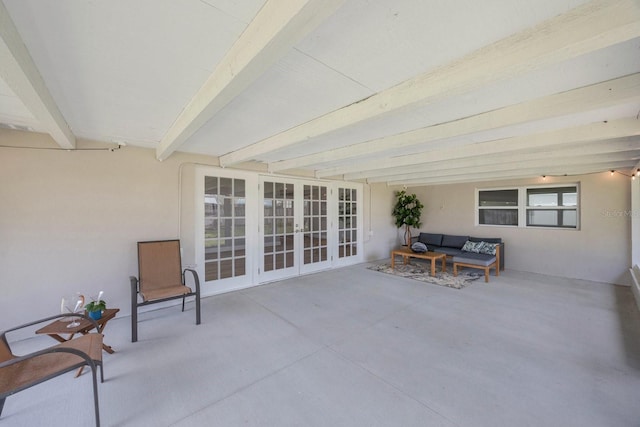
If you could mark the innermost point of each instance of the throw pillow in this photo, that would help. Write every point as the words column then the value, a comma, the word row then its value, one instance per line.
column 470, row 246
column 488, row 248
column 419, row 247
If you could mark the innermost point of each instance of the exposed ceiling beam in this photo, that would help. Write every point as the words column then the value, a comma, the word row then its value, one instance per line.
column 581, row 169
column 587, row 28
column 552, row 139
column 589, row 132
column 524, row 159
column 601, row 95
column 520, row 164
column 20, row 73
column 276, row 28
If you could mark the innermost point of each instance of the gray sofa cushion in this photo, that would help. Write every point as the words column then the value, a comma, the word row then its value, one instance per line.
column 476, row 259
column 454, row 241
column 430, row 239
column 486, row 239
column 447, row 251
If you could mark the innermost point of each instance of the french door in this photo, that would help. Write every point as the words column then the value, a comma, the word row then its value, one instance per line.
column 252, row 228
column 295, row 227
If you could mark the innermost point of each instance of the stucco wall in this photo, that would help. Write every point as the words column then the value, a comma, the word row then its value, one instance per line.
column 69, row 221
column 599, row 251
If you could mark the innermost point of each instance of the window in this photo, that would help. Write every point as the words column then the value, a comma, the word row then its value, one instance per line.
column 552, row 207
column 498, row 207
column 548, row 206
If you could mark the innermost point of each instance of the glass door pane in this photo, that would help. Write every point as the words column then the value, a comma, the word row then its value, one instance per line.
column 314, row 232
column 347, row 222
column 315, row 227
column 224, row 228
column 278, row 226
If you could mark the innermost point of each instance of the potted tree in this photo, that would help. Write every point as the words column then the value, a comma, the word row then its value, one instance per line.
column 407, row 212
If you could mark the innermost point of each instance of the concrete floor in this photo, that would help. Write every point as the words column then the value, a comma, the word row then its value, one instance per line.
column 353, row 347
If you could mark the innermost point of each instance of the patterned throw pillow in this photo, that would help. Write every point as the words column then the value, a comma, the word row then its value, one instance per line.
column 419, row 247
column 470, row 246
column 488, row 248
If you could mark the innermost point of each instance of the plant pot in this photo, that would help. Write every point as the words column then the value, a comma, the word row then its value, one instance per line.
column 95, row 315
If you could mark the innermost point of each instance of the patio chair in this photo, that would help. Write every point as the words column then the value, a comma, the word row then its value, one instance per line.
column 161, row 278
column 18, row 373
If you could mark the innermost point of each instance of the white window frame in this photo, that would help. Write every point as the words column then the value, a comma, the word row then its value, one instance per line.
column 523, row 207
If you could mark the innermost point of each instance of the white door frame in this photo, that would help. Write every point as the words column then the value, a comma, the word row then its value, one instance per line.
column 254, row 217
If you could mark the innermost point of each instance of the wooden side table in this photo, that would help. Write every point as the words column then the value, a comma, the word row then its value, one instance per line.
column 57, row 329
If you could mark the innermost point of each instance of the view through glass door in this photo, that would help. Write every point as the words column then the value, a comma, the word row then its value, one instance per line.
column 315, row 228
column 278, row 229
column 295, row 228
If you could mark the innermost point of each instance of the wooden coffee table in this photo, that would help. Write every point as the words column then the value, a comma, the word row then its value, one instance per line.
column 430, row 256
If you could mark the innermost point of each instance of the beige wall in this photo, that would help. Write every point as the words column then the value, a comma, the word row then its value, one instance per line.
column 69, row 221
column 380, row 233
column 599, row 251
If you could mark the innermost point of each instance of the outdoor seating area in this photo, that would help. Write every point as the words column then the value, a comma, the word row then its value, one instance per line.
column 280, row 213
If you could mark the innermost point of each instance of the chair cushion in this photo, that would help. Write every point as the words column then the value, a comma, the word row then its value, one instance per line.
column 168, row 292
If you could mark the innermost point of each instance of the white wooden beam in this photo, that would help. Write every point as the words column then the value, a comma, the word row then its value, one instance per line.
column 590, row 132
column 587, row 28
column 536, row 157
column 546, row 140
column 20, row 73
column 601, row 95
column 581, row 169
column 276, row 28
column 518, row 164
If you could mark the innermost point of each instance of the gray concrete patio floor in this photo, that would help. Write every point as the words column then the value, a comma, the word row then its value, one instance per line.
column 353, row 347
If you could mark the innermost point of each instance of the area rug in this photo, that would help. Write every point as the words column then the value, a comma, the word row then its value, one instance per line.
column 419, row 271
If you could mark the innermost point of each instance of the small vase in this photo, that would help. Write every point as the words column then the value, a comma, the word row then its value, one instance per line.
column 95, row 315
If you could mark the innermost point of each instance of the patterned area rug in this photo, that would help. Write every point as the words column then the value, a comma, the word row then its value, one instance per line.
column 419, row 271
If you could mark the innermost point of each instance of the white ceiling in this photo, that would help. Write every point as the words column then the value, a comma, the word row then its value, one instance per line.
column 409, row 92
